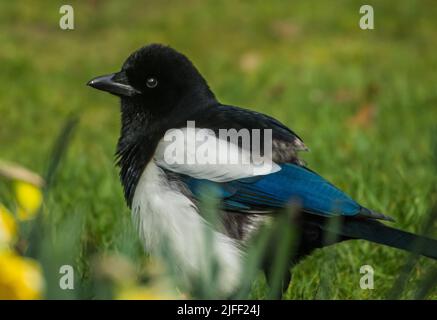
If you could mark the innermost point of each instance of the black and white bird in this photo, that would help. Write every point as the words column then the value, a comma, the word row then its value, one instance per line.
column 160, row 91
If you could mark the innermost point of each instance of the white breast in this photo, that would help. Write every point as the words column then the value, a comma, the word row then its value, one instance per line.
column 168, row 222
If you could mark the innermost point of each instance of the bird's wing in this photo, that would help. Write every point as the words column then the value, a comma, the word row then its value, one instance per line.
column 276, row 190
column 286, row 143
column 251, row 189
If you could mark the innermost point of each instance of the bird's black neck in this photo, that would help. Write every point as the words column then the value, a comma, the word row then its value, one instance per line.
column 136, row 145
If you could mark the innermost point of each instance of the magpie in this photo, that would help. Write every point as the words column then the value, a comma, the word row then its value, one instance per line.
column 161, row 90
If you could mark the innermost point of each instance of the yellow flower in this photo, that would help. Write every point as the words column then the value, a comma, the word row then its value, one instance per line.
column 20, row 278
column 8, row 227
column 29, row 198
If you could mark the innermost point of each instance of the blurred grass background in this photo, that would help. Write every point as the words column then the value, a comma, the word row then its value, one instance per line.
column 365, row 102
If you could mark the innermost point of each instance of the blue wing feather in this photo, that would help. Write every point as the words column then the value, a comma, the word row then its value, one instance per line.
column 278, row 189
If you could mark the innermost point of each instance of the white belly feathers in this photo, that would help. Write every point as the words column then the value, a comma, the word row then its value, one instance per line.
column 168, row 220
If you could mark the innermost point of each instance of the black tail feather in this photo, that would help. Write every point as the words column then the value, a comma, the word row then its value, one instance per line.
column 377, row 232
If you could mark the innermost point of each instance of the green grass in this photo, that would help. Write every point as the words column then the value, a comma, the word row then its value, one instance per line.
column 305, row 63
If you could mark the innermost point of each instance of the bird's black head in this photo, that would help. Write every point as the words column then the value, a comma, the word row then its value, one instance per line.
column 156, row 79
column 159, row 89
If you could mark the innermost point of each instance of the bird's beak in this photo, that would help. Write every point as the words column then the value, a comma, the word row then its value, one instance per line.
column 115, row 83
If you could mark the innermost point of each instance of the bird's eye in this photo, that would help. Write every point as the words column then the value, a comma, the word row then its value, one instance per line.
column 151, row 83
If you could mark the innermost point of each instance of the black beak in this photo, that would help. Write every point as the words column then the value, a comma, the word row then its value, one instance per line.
column 115, row 83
